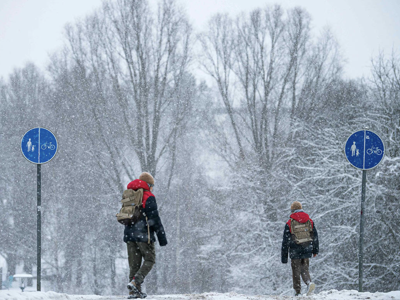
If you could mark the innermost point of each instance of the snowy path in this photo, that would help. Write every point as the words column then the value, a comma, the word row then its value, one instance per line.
column 327, row 295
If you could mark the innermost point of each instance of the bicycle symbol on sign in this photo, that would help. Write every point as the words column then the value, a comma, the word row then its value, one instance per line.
column 375, row 150
column 48, row 146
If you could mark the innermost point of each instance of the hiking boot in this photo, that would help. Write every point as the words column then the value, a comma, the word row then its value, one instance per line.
column 136, row 290
column 133, row 295
column 137, row 295
column 134, row 286
column 311, row 288
column 296, row 293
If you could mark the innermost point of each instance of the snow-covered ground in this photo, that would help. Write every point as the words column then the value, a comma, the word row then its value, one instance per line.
column 327, row 295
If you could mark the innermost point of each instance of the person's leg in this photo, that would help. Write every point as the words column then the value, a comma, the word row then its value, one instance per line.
column 305, row 273
column 296, row 270
column 149, row 255
column 134, row 258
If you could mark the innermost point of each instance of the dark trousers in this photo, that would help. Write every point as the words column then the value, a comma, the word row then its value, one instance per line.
column 136, row 252
column 300, row 268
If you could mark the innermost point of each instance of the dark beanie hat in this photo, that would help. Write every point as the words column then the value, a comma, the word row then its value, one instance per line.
column 296, row 205
column 147, row 178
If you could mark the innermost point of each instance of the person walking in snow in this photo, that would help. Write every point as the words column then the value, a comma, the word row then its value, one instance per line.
column 300, row 240
column 140, row 238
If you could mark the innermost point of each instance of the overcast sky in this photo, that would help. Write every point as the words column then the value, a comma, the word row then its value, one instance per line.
column 31, row 29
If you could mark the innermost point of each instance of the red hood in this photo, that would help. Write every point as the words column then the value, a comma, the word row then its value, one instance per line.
column 140, row 184
column 300, row 217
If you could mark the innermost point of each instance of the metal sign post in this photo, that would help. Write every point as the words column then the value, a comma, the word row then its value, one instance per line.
column 39, row 226
column 39, row 146
column 364, row 149
column 361, row 245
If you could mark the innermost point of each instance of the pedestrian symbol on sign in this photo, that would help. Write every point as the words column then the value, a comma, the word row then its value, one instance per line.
column 354, row 150
column 29, row 145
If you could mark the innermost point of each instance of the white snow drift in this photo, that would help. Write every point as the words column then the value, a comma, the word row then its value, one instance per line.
column 327, row 295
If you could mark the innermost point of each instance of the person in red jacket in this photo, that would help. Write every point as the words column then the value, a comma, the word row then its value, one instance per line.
column 140, row 236
column 300, row 239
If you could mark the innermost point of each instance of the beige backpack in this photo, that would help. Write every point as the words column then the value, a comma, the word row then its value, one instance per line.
column 131, row 207
column 301, row 231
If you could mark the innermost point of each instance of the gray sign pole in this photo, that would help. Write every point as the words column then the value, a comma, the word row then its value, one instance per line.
column 364, row 149
column 39, row 225
column 39, row 146
column 361, row 253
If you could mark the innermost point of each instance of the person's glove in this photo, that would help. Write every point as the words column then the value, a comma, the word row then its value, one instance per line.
column 162, row 244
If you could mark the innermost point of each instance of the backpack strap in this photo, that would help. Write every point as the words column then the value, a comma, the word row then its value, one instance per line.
column 148, row 226
column 148, row 230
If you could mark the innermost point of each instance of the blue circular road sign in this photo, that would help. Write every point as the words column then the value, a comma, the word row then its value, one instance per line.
column 364, row 149
column 39, row 145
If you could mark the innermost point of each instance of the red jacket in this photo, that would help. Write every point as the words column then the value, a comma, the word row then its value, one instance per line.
column 140, row 184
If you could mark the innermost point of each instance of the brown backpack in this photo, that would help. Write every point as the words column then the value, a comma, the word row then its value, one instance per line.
column 301, row 232
column 131, row 207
